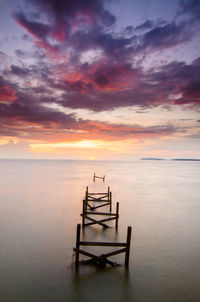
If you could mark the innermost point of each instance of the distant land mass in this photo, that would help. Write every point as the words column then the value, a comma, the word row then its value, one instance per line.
column 186, row 159
column 175, row 159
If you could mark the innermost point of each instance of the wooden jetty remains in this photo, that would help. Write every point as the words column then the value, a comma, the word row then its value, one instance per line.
column 103, row 199
column 102, row 259
column 110, row 216
column 101, row 177
column 90, row 212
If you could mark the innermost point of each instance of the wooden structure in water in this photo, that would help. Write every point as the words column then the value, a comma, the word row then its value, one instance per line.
column 101, row 177
column 102, row 199
column 102, row 259
column 91, row 203
column 86, row 215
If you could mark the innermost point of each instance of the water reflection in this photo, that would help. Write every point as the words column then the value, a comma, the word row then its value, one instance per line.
column 91, row 283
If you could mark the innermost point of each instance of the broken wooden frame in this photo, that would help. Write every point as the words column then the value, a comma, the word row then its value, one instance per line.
column 86, row 215
column 102, row 259
column 101, row 177
column 103, row 199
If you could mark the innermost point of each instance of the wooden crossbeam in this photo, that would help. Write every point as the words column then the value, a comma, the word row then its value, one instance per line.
column 101, row 213
column 100, row 177
column 101, row 198
column 95, row 221
column 102, row 220
column 105, row 243
column 100, row 206
column 104, row 198
column 97, row 193
column 102, row 259
column 87, row 215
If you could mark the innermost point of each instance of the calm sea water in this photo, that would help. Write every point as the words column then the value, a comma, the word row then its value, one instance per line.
column 40, row 205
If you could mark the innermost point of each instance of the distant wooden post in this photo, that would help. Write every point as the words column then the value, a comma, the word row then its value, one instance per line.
column 78, row 233
column 110, row 198
column 128, row 242
column 101, row 177
column 117, row 215
column 86, row 193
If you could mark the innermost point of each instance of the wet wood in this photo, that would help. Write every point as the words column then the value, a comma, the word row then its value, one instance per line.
column 100, row 177
column 102, row 259
column 78, row 233
column 128, row 242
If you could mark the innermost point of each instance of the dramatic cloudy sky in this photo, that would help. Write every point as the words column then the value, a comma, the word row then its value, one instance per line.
column 99, row 79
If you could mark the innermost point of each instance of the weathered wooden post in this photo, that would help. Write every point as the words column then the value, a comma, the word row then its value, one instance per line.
column 78, row 233
column 86, row 193
column 128, row 243
column 117, row 215
column 104, row 178
column 84, row 211
column 94, row 177
column 110, row 198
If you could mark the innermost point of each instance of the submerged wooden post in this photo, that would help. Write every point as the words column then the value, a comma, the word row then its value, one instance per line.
column 110, row 198
column 84, row 210
column 86, row 193
column 128, row 242
column 78, row 233
column 117, row 215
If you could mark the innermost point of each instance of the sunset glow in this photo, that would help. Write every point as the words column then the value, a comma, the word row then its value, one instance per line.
column 99, row 79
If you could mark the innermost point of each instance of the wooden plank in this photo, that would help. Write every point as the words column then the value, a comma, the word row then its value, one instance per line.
column 100, row 206
column 102, row 220
column 98, row 200
column 115, row 252
column 80, row 251
column 91, row 207
column 100, row 213
column 96, row 243
column 97, row 193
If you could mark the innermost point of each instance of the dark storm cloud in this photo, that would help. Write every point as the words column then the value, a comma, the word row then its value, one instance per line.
column 39, row 30
column 62, row 10
column 163, row 37
column 19, row 71
column 110, row 81
column 174, row 84
column 191, row 8
column 84, row 25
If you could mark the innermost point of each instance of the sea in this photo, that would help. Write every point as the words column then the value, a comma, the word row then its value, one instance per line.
column 40, row 207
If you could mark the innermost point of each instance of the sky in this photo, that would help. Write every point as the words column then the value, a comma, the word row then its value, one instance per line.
column 99, row 79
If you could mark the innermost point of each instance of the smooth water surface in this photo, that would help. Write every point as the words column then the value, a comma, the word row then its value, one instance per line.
column 40, row 206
